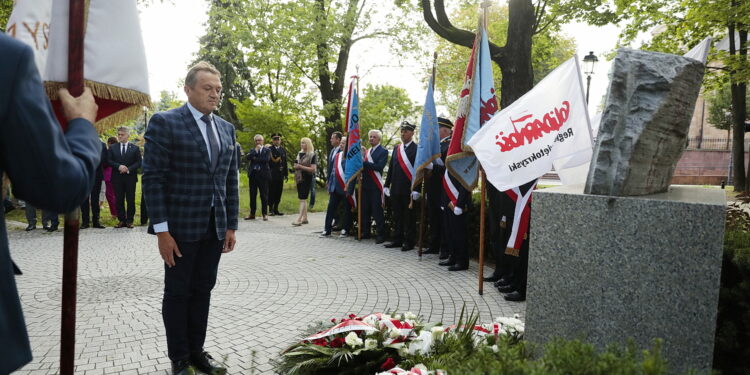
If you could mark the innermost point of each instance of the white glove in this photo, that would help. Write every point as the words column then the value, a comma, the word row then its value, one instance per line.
column 387, row 191
column 439, row 162
column 415, row 195
column 458, row 211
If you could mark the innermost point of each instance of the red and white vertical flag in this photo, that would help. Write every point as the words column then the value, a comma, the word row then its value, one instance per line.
column 115, row 61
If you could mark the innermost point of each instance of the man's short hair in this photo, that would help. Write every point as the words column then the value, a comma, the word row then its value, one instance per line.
column 376, row 131
column 123, row 129
column 201, row 66
column 337, row 134
column 258, row 135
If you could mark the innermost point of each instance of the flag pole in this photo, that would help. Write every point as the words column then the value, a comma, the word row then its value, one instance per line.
column 359, row 178
column 72, row 219
column 424, row 199
column 483, row 23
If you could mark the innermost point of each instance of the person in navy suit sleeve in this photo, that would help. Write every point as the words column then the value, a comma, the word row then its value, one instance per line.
column 91, row 204
column 190, row 181
column 372, row 186
column 125, row 159
column 48, row 169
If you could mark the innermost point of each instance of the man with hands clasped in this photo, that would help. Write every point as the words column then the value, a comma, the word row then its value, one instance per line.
column 398, row 187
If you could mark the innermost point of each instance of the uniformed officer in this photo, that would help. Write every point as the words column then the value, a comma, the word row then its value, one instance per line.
column 279, row 174
column 456, row 202
column 515, row 260
column 398, row 188
column 434, row 188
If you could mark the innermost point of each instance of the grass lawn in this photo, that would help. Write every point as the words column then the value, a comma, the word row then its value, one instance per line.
column 289, row 204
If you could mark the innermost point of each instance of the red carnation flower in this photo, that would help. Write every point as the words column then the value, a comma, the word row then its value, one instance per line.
column 388, row 364
column 320, row 342
column 352, row 316
column 337, row 342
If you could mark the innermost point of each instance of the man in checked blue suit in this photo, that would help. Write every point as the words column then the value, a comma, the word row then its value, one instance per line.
column 191, row 186
column 49, row 169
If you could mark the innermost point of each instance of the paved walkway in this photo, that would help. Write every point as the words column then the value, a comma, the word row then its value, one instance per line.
column 278, row 280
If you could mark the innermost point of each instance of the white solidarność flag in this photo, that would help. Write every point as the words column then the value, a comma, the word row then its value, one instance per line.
column 527, row 138
column 29, row 23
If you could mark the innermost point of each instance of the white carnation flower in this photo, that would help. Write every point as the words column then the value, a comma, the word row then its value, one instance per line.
column 397, row 316
column 394, row 333
column 371, row 344
column 437, row 332
column 353, row 340
column 410, row 315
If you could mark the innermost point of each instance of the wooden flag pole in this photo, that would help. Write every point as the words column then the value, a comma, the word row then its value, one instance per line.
column 72, row 219
column 481, row 230
column 424, row 198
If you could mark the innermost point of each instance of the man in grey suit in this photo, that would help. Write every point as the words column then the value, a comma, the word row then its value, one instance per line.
column 49, row 169
column 190, row 182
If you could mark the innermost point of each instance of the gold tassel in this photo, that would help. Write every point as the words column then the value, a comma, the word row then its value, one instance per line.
column 512, row 252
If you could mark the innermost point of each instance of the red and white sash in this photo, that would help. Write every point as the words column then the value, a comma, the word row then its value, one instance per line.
column 404, row 162
column 450, row 189
column 521, row 218
column 340, row 178
column 375, row 175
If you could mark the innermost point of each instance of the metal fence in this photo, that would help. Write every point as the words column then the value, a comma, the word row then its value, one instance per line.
column 724, row 144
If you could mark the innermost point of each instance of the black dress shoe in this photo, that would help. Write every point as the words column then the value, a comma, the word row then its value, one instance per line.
column 379, row 240
column 407, row 247
column 457, row 267
column 207, row 364
column 84, row 226
column 515, row 297
column 447, row 262
column 52, row 229
column 502, row 282
column 444, row 257
column 429, row 251
column 121, row 225
column 393, row 245
column 492, row 278
column 277, row 213
column 182, row 368
column 30, row 227
column 506, row 289
column 98, row 226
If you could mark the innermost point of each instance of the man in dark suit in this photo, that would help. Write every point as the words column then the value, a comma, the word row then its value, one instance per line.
column 336, row 186
column 374, row 162
column 434, row 190
column 398, row 187
column 279, row 173
column 258, row 174
column 456, row 201
column 125, row 159
column 91, row 204
column 191, row 184
column 49, row 170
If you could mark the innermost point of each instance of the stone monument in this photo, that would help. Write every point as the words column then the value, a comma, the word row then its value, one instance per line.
column 627, row 256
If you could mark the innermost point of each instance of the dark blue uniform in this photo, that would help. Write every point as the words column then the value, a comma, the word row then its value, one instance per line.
column 372, row 199
column 399, row 183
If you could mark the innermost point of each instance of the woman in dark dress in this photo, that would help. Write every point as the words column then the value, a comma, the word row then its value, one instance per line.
column 304, row 171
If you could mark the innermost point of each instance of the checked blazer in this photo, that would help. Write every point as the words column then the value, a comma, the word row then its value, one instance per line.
column 177, row 181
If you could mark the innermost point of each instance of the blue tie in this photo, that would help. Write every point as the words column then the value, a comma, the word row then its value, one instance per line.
column 212, row 142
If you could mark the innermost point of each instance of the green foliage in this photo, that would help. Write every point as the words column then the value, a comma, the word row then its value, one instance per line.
column 549, row 49
column 720, row 107
column 731, row 352
column 384, row 107
column 6, row 6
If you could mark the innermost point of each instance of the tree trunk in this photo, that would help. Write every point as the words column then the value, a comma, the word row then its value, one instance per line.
column 738, row 90
column 515, row 62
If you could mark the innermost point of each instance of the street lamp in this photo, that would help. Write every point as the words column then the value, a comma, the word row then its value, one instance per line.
column 589, row 61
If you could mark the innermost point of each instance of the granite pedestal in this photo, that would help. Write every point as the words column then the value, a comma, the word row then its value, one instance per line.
column 607, row 269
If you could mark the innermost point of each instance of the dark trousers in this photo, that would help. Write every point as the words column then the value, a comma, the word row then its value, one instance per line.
column 333, row 204
column 404, row 223
column 275, row 187
column 144, row 211
column 124, row 191
column 50, row 219
column 520, row 266
column 258, row 184
column 30, row 214
column 372, row 208
column 435, row 219
column 187, row 294
column 459, row 254
column 92, row 204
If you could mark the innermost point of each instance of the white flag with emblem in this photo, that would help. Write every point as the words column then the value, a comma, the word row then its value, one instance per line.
column 543, row 128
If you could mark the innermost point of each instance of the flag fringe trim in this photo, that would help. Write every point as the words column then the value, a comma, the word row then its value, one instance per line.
column 420, row 170
column 136, row 99
column 353, row 177
column 512, row 252
column 459, row 155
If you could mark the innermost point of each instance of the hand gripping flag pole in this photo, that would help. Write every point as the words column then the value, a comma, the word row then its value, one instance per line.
column 72, row 219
